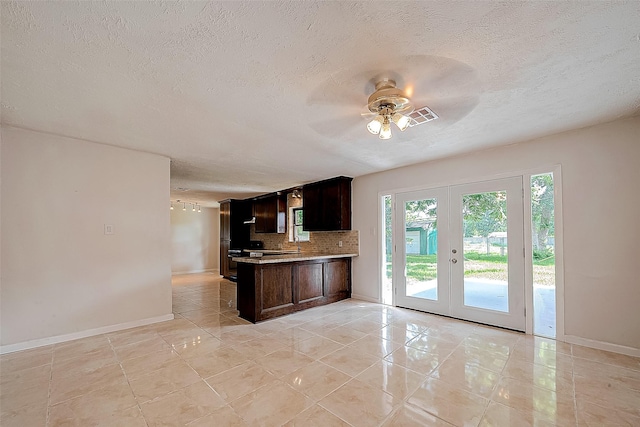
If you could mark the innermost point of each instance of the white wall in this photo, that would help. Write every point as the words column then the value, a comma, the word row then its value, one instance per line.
column 61, row 274
column 601, row 202
column 195, row 240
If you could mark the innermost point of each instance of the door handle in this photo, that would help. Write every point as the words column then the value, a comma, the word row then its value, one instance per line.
column 453, row 260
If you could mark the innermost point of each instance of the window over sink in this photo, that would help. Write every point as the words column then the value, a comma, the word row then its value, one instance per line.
column 296, row 233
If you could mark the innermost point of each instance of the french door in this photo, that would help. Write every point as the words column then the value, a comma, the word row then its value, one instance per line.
column 460, row 252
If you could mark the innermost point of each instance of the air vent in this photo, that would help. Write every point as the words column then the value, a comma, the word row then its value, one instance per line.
column 422, row 115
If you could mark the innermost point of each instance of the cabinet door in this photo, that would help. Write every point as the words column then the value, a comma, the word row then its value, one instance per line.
column 312, row 208
column 276, row 287
column 336, row 278
column 308, row 278
column 225, row 220
column 224, row 258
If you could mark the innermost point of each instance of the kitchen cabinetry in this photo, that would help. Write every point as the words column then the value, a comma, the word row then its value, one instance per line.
column 234, row 234
column 270, row 212
column 327, row 205
column 271, row 290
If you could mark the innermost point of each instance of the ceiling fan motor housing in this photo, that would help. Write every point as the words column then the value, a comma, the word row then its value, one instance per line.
column 388, row 96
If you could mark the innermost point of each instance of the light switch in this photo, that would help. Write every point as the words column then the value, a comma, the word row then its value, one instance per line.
column 108, row 229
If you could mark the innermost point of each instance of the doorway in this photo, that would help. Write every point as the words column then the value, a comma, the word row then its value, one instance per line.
column 461, row 252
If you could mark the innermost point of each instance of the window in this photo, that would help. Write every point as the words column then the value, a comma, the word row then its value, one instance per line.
column 295, row 226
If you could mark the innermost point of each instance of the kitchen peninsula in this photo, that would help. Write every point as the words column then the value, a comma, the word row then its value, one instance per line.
column 275, row 285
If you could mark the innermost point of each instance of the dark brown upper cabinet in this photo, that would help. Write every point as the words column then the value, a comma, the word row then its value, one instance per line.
column 327, row 205
column 233, row 213
column 271, row 213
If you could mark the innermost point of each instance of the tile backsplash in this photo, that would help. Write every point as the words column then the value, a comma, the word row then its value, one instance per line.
column 319, row 241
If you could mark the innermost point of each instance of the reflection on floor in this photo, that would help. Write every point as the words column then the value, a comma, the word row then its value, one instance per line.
column 348, row 363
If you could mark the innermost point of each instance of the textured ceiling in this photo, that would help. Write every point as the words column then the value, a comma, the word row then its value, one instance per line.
column 249, row 97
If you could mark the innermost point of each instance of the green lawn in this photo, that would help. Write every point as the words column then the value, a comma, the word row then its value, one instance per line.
column 493, row 266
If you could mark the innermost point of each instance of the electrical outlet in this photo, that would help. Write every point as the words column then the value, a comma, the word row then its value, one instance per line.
column 339, row 243
column 279, row 245
column 108, row 229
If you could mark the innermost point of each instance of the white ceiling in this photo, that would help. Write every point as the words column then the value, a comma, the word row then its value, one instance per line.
column 248, row 97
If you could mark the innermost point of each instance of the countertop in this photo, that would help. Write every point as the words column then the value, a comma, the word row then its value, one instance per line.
column 289, row 257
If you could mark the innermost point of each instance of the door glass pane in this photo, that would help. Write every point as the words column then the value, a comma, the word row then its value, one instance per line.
column 544, row 260
column 485, row 250
column 387, row 256
column 421, row 247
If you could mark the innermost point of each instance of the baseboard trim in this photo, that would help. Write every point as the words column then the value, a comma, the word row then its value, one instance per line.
column 602, row 345
column 207, row 270
column 26, row 345
column 364, row 298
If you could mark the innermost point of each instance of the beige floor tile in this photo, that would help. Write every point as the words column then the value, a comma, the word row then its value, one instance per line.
column 349, row 360
column 342, row 335
column 360, row 404
column 272, row 405
column 173, row 377
column 216, row 361
column 541, row 376
column 544, row 343
column 182, row 335
column 449, row 403
column 260, row 347
column 83, row 363
column 397, row 334
column 197, row 346
column 82, row 383
column 86, row 346
column 394, row 379
column 143, row 365
column 141, row 348
column 223, row 417
column 543, row 356
column 481, row 358
column 316, row 416
column 131, row 336
column 605, row 393
column 292, row 335
column 503, row 346
column 241, row 380
column 622, row 377
column 283, row 362
column 365, row 325
column 374, row 346
column 606, row 357
column 592, row 415
column 25, row 378
column 317, row 347
column 498, row 415
column 19, row 396
column 34, row 415
column 239, row 336
column 446, row 333
column 182, row 406
column 467, row 376
column 27, row 359
column 412, row 416
column 426, row 342
column 420, row 361
column 97, row 406
column 316, row 380
column 546, row 404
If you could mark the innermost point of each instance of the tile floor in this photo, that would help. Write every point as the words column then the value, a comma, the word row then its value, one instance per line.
column 345, row 364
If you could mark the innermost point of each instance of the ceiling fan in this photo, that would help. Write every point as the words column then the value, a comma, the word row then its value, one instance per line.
column 388, row 104
column 404, row 90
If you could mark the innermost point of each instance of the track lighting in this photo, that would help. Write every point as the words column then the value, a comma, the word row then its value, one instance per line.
column 195, row 207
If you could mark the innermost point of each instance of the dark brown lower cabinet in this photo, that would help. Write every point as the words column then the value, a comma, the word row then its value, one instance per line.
column 266, row 291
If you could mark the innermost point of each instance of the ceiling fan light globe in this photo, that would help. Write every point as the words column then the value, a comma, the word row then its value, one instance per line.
column 375, row 125
column 401, row 121
column 385, row 132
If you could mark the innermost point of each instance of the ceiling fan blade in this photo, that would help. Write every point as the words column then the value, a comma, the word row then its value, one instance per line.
column 335, row 128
